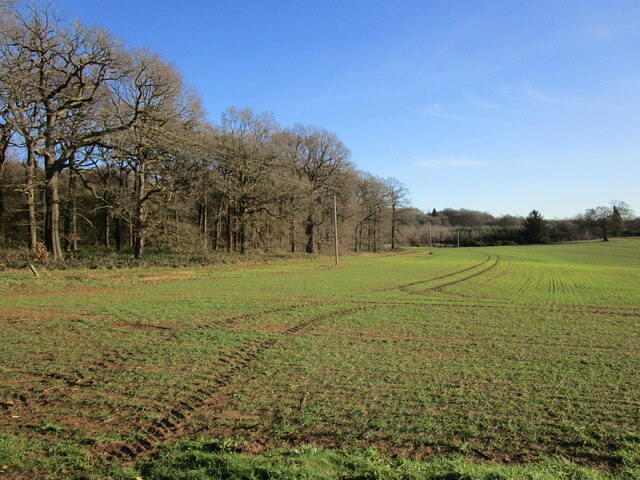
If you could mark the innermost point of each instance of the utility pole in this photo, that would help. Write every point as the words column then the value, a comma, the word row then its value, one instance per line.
column 335, row 225
column 430, row 245
column 458, row 236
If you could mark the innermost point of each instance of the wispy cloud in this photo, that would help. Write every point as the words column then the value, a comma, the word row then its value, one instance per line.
column 536, row 95
column 607, row 31
column 602, row 31
column 479, row 102
column 437, row 111
column 449, row 162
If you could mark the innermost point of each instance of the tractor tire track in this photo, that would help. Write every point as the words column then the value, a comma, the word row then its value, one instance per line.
column 463, row 279
column 448, row 275
column 177, row 421
column 254, row 315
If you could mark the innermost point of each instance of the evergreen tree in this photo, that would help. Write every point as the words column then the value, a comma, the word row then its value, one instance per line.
column 534, row 228
column 617, row 225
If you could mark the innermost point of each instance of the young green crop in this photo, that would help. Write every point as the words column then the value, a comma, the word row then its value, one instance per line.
column 505, row 354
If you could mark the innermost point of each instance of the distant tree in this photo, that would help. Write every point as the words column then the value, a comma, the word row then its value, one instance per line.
column 397, row 197
column 632, row 226
column 617, row 224
column 371, row 200
column 608, row 219
column 534, row 228
column 467, row 218
column 508, row 221
column 565, row 230
column 600, row 218
column 434, row 213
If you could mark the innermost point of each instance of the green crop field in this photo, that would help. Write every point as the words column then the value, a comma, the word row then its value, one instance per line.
column 505, row 362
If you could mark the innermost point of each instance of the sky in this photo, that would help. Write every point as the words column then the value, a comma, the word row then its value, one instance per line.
column 500, row 106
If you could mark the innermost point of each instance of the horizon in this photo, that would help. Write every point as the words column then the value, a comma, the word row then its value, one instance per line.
column 501, row 108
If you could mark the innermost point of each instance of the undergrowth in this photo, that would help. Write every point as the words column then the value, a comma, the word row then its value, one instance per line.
column 99, row 258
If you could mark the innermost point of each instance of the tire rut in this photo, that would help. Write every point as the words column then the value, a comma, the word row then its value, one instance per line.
column 176, row 421
column 463, row 279
column 448, row 275
column 250, row 315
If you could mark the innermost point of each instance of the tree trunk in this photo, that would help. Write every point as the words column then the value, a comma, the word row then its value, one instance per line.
column 604, row 233
column 216, row 233
column 176, row 218
column 30, row 180
column 74, row 212
column 218, row 226
column 292, row 233
column 375, row 234
column 107, row 222
column 2, row 207
column 4, row 145
column 52, row 213
column 52, row 169
column 117, row 232
column 393, row 228
column 138, row 245
column 242, row 219
column 204, row 227
column 310, row 233
column 229, row 229
column 71, row 240
column 66, row 227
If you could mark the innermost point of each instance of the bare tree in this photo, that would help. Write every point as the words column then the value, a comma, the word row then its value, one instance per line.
column 371, row 196
column 5, row 139
column 607, row 218
column 166, row 113
column 397, row 195
column 68, row 72
column 21, row 116
column 320, row 160
column 245, row 161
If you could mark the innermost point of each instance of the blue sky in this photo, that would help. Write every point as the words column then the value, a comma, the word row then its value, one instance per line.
column 502, row 106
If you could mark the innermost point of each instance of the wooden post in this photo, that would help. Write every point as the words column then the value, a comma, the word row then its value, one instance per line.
column 34, row 271
column 335, row 226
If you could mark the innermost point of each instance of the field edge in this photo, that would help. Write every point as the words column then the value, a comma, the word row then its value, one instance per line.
column 225, row 459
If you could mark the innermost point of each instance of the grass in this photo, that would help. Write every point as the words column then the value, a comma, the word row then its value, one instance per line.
column 502, row 362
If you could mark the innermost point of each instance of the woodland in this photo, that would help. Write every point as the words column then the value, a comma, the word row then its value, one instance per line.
column 107, row 148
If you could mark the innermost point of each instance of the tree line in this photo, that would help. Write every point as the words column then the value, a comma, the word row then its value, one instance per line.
column 475, row 228
column 108, row 145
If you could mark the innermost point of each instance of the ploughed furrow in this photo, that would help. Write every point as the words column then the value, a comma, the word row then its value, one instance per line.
column 441, row 277
column 494, row 259
column 178, row 420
